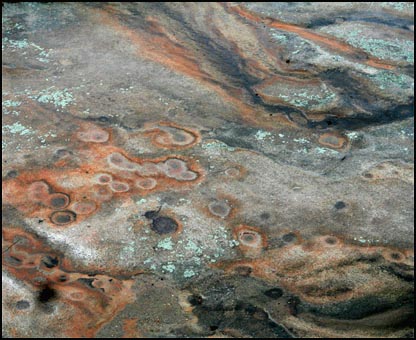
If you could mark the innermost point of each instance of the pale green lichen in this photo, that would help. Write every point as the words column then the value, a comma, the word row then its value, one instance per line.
column 165, row 244
column 320, row 150
column 169, row 268
column 352, row 135
column 301, row 140
column 58, row 98
column 387, row 79
column 260, row 135
column 17, row 128
column 11, row 103
column 281, row 38
column 23, row 44
column 141, row 201
column 399, row 6
column 390, row 49
column 19, row 44
column 233, row 243
column 311, row 97
column 193, row 247
column 188, row 273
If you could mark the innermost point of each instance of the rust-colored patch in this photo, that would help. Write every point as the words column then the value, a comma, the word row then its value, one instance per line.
column 130, row 329
column 106, row 173
column 334, row 140
column 96, row 298
column 169, row 135
column 320, row 39
column 324, row 269
column 252, row 241
column 222, row 207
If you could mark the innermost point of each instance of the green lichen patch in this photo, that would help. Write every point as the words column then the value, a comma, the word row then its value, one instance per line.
column 311, row 96
column 59, row 98
column 261, row 135
column 383, row 45
column 17, row 128
column 388, row 79
column 188, row 273
column 165, row 244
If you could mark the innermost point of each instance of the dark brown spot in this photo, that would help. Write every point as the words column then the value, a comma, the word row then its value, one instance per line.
column 340, row 205
column 164, row 225
column 274, row 293
column 22, row 304
column 331, row 240
column 46, row 294
column 289, row 237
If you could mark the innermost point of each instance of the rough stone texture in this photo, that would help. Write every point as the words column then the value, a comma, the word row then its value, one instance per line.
column 208, row 169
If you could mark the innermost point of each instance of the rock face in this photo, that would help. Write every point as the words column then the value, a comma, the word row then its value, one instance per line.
column 208, row 169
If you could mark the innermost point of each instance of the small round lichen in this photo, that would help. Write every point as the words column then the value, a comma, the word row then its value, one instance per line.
column 119, row 186
column 146, row 183
column 63, row 217
column 219, row 208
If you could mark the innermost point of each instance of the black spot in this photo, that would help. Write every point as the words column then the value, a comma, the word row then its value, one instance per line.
column 151, row 214
column 195, row 300
column 287, row 61
column 293, row 303
column 103, row 119
column 46, row 294
column 62, row 278
column 289, row 237
column 22, row 304
column 274, row 293
column 213, row 328
column 265, row 216
column 12, row 174
column 164, row 225
column 50, row 261
column 340, row 205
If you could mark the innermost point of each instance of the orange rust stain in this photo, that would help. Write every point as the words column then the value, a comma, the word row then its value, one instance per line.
column 43, row 193
column 162, row 135
column 228, row 207
column 252, row 240
column 334, row 140
column 329, row 42
column 159, row 47
column 130, row 329
column 39, row 266
column 324, row 269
